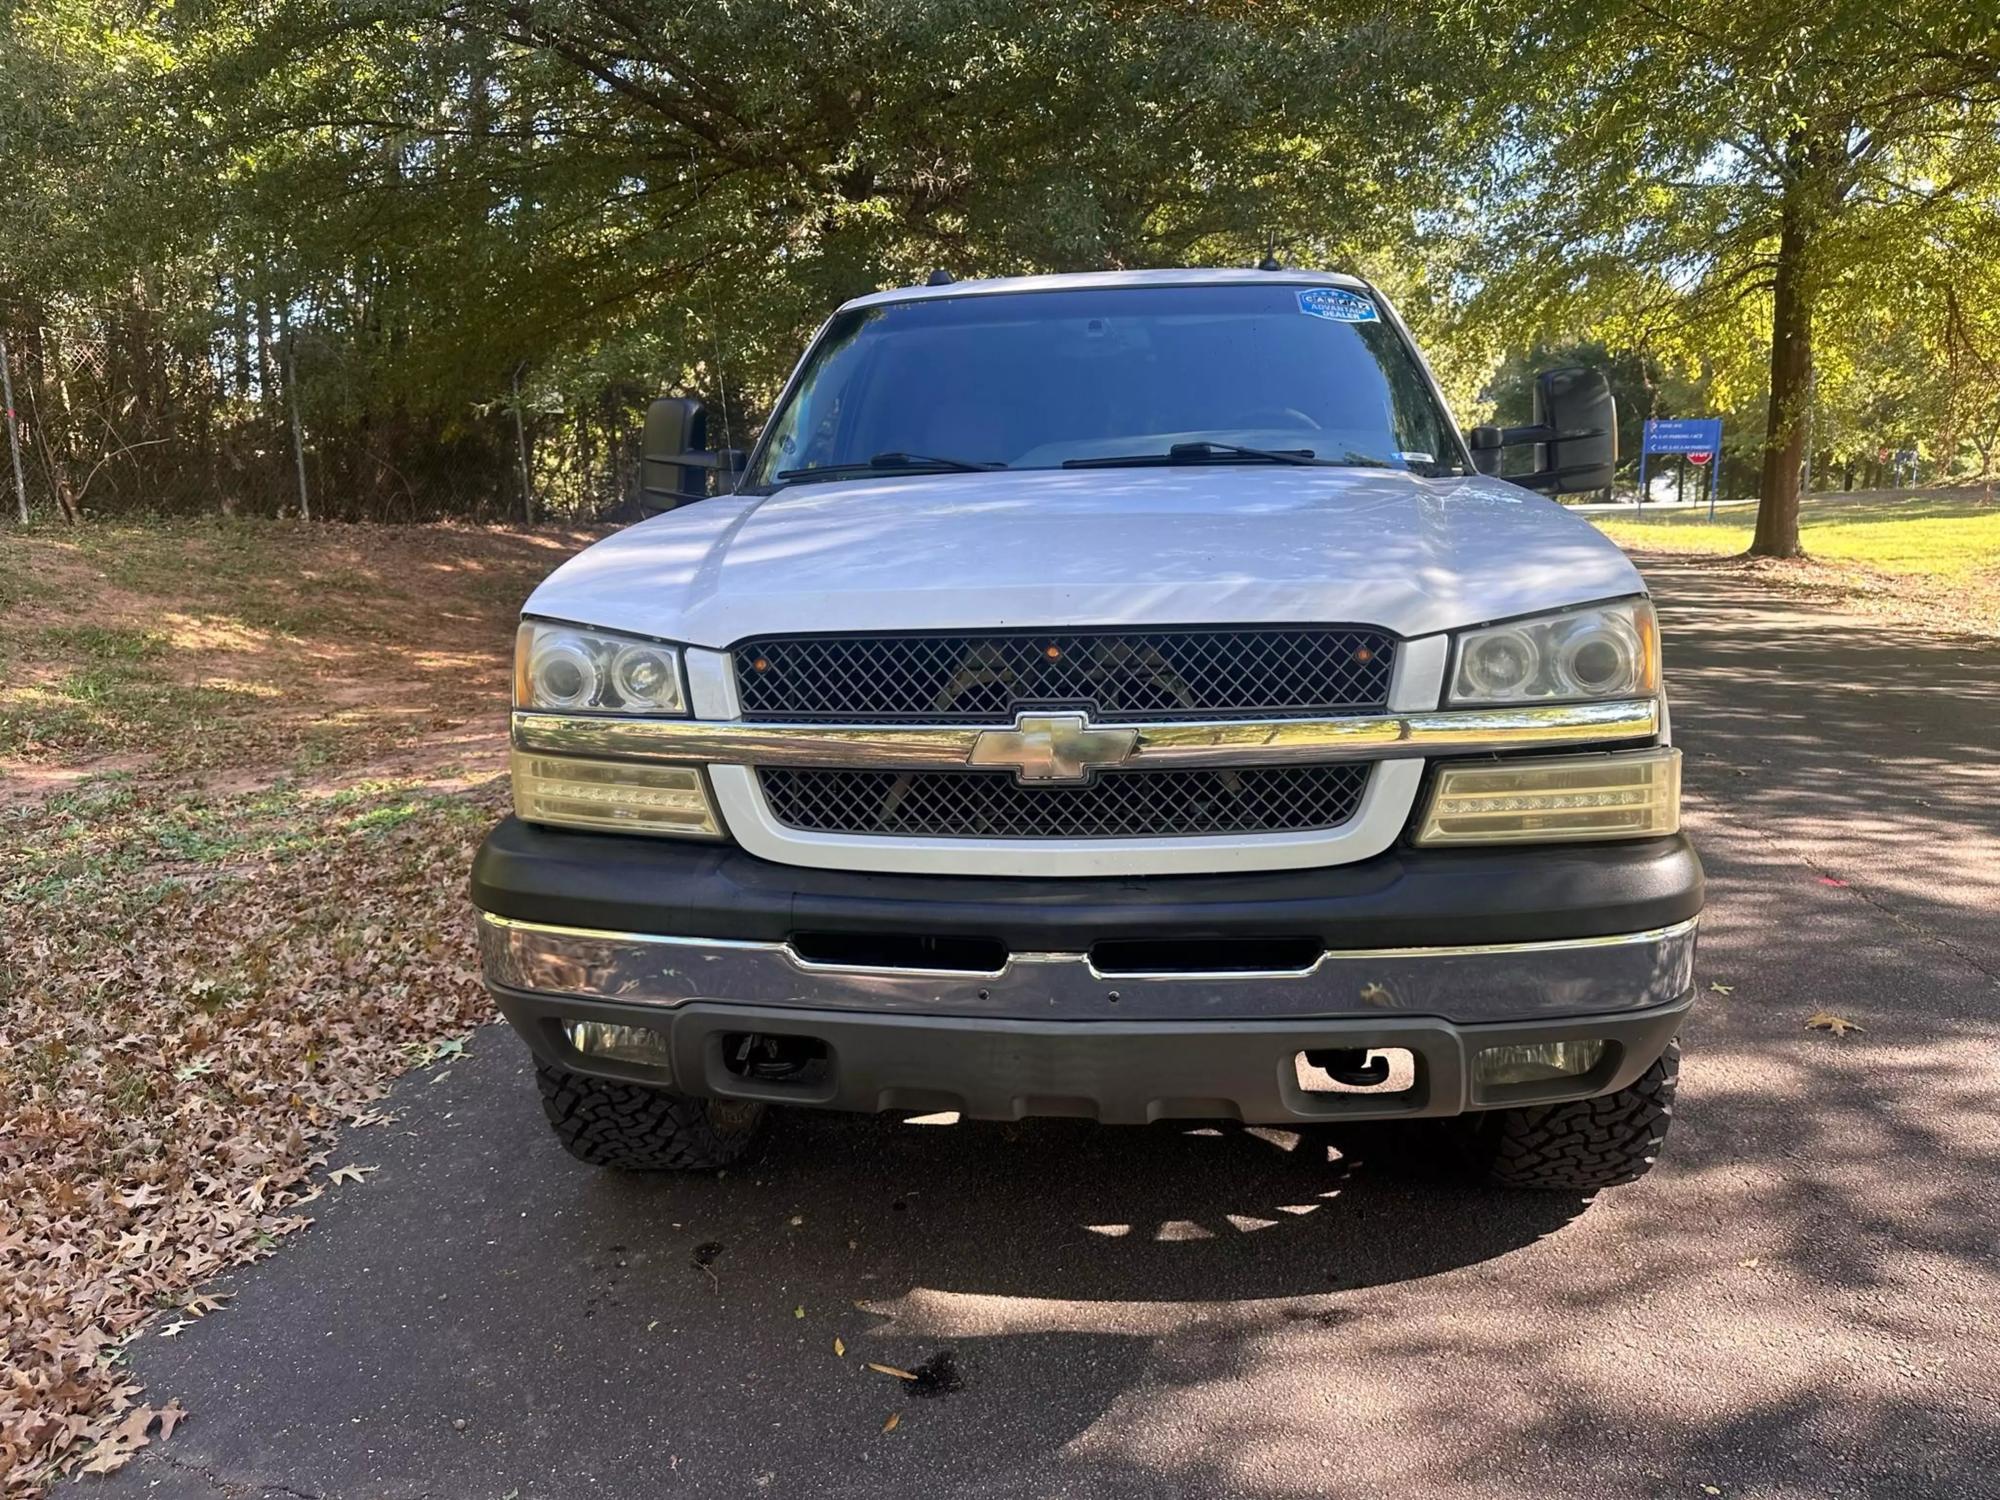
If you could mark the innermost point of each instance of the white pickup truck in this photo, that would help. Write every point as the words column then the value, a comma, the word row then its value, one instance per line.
column 1122, row 695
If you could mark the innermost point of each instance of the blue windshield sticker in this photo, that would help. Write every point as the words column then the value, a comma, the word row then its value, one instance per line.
column 1338, row 304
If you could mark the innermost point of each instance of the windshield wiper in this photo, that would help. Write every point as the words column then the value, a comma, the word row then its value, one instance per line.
column 889, row 462
column 1199, row 453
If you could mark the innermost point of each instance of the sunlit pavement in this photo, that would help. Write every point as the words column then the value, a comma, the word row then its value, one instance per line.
column 1804, row 1300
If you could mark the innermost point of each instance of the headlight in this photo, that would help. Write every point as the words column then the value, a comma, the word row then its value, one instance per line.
column 1600, row 651
column 568, row 669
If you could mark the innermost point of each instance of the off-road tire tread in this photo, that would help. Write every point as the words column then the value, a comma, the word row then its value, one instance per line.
column 1584, row 1144
column 634, row 1128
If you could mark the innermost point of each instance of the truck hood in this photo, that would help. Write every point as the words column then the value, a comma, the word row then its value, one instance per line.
column 1206, row 545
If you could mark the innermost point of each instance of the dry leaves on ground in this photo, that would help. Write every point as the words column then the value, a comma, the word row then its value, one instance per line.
column 1826, row 1020
column 179, row 1036
column 211, row 952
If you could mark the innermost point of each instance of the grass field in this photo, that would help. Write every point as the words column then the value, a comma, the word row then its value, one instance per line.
column 242, row 770
column 1929, row 558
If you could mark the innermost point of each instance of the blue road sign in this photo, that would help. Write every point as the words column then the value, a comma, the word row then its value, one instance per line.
column 1683, row 435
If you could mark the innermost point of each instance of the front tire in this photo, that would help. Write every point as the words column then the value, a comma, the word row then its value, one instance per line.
column 629, row 1126
column 1581, row 1145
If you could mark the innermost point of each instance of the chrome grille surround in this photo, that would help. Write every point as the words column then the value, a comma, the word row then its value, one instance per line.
column 1112, row 804
column 1118, row 676
column 1376, row 736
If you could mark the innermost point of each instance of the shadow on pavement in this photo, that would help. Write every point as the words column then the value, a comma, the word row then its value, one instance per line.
column 489, row 1315
column 1172, row 1212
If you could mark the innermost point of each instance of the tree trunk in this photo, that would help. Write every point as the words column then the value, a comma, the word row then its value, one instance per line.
column 1791, row 378
column 13, row 431
column 521, row 453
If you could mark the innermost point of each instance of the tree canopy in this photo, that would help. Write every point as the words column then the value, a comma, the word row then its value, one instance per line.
column 435, row 236
column 1734, row 186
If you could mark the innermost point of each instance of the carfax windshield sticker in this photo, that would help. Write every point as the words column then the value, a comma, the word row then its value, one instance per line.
column 1338, row 304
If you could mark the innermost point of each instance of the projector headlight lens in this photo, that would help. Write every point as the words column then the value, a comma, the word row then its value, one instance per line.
column 570, row 669
column 1601, row 651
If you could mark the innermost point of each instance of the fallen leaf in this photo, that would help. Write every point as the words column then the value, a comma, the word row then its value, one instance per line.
column 349, row 1173
column 894, row 1418
column 1722, row 989
column 107, row 1458
column 1747, row 1265
column 891, row 1370
column 839, row 1349
column 798, row 1312
column 1826, row 1020
column 173, row 1329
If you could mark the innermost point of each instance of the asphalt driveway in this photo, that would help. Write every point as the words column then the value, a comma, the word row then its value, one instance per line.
column 1804, row 1300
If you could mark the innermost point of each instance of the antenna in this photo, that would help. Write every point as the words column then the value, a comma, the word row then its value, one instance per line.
column 1270, row 262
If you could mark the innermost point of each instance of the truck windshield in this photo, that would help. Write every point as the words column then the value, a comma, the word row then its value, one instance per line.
column 1098, row 378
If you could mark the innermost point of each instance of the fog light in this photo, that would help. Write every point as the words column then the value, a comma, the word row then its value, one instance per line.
column 627, row 1044
column 612, row 794
column 1625, row 796
column 1536, row 1063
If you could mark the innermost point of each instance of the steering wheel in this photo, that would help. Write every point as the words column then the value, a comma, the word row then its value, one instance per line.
column 1275, row 416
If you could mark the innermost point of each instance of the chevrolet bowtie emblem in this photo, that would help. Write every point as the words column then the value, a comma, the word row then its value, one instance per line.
column 1053, row 747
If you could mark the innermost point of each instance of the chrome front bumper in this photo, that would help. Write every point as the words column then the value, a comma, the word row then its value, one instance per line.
column 1471, row 984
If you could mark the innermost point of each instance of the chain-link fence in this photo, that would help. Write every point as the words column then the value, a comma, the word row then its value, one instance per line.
column 105, row 419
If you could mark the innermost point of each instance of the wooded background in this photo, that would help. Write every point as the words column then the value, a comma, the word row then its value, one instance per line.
column 458, row 247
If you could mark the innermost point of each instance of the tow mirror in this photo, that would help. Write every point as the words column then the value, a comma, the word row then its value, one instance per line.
column 1577, row 408
column 675, row 460
column 1575, row 433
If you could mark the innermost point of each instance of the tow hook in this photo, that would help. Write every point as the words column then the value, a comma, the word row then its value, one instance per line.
column 1353, row 1066
column 773, row 1058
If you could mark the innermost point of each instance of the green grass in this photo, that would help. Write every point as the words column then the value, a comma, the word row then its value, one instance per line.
column 18, row 585
column 1931, row 536
column 115, row 840
column 105, row 707
column 115, row 685
column 105, row 648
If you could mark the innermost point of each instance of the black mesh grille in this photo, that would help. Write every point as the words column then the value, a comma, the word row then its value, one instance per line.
column 1117, row 804
column 1116, row 675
